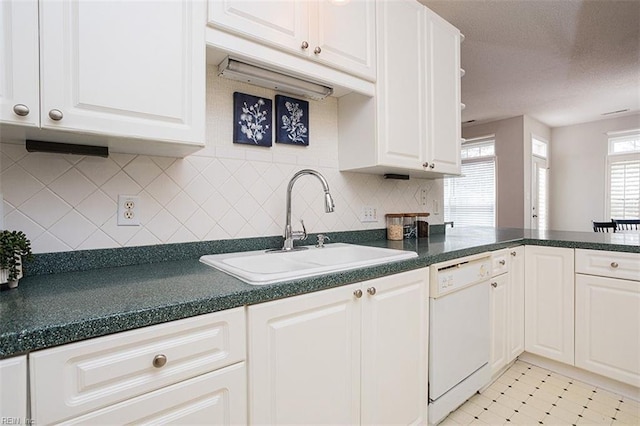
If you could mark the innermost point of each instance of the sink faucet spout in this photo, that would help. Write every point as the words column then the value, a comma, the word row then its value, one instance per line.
column 289, row 234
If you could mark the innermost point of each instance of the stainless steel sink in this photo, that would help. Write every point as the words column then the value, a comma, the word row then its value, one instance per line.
column 260, row 267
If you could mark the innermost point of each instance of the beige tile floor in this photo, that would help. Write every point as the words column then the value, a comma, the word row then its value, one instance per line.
column 530, row 395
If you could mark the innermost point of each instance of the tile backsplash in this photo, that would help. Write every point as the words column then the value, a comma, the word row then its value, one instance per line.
column 68, row 202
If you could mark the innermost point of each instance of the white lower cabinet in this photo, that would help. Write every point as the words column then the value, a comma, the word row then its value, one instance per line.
column 498, row 314
column 13, row 390
column 549, row 310
column 184, row 371
column 350, row 355
column 515, row 313
column 608, row 314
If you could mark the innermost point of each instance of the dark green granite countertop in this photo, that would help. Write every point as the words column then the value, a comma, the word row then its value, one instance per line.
column 56, row 308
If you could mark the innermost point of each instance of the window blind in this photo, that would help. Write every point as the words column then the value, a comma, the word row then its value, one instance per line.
column 624, row 181
column 470, row 200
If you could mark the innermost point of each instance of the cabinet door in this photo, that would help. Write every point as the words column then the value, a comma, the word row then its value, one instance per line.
column 515, row 312
column 19, row 80
column 401, row 103
column 304, row 354
column 13, row 390
column 394, row 349
column 217, row 398
column 498, row 318
column 134, row 69
column 443, row 93
column 608, row 327
column 345, row 35
column 549, row 310
column 284, row 24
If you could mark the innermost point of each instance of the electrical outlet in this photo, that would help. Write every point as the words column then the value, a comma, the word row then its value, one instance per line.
column 368, row 214
column 128, row 210
column 423, row 196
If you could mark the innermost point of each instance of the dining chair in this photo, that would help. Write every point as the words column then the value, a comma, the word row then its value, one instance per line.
column 627, row 224
column 604, row 226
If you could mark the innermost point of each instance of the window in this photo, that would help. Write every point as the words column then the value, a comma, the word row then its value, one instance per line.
column 539, row 184
column 623, row 176
column 470, row 200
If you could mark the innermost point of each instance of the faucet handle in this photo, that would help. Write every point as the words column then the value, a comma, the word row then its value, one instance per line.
column 321, row 239
column 300, row 235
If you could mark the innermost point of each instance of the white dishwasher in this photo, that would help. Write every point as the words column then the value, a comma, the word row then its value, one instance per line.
column 458, row 332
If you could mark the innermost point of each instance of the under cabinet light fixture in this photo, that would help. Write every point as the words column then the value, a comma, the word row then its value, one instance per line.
column 66, row 148
column 259, row 76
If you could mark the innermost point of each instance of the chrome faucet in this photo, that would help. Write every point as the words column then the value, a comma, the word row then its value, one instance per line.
column 289, row 234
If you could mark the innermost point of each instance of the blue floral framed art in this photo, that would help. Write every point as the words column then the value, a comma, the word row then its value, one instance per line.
column 292, row 121
column 252, row 118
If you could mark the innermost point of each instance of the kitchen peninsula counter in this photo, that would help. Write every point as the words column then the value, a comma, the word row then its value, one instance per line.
column 169, row 282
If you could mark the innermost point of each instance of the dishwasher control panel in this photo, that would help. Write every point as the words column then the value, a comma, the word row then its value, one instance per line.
column 447, row 277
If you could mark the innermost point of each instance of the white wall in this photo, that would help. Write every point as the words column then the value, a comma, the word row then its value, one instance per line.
column 578, row 174
column 66, row 202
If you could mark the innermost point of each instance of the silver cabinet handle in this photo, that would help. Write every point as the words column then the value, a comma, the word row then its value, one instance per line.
column 503, row 262
column 55, row 115
column 432, row 165
column 494, row 285
column 159, row 360
column 614, row 264
column 21, row 110
column 513, row 253
column 317, row 50
column 371, row 290
column 304, row 45
column 357, row 293
column 425, row 165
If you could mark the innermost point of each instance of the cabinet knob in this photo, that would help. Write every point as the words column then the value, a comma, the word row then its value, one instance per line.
column 614, row 264
column 513, row 253
column 425, row 165
column 304, row 45
column 317, row 50
column 159, row 360
column 21, row 110
column 494, row 284
column 371, row 290
column 357, row 293
column 503, row 262
column 432, row 165
column 55, row 114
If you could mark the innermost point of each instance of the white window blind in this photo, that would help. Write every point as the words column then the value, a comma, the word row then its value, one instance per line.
column 623, row 176
column 470, row 200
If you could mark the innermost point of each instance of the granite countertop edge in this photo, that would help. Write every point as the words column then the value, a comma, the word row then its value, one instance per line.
column 23, row 335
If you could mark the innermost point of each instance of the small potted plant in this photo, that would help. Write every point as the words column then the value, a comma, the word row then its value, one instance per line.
column 14, row 247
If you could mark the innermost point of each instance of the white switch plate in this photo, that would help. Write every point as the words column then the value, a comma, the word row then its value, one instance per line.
column 368, row 214
column 128, row 210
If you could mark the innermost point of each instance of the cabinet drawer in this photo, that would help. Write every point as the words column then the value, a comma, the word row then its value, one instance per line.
column 216, row 398
column 608, row 264
column 499, row 262
column 77, row 378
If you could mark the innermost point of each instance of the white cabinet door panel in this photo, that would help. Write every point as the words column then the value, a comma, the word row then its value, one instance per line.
column 498, row 318
column 109, row 70
column 19, row 77
column 549, row 310
column 13, row 389
column 608, row 327
column 515, row 313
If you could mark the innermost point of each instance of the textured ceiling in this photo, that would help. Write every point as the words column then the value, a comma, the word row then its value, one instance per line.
column 561, row 62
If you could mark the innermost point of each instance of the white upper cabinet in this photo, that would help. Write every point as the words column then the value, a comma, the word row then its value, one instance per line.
column 19, row 89
column 133, row 70
column 339, row 35
column 412, row 124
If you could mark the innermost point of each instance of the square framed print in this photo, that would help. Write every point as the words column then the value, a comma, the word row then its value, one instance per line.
column 252, row 118
column 292, row 121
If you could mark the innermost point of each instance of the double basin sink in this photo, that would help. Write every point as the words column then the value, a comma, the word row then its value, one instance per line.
column 268, row 267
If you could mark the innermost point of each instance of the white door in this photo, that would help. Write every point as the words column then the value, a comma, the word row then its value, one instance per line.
column 549, row 309
column 134, row 69
column 344, row 33
column 394, row 345
column 19, row 79
column 284, row 24
column 515, row 312
column 401, row 83
column 539, row 194
column 304, row 354
column 608, row 327
column 13, row 389
column 498, row 319
column 443, row 89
